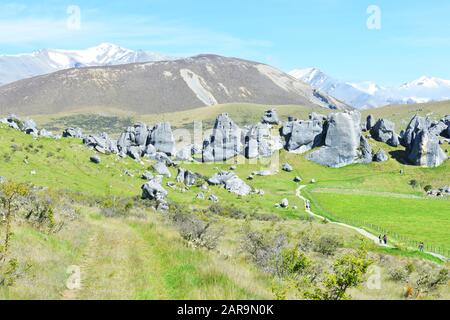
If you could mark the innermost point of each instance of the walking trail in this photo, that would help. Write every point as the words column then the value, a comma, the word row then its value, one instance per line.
column 363, row 232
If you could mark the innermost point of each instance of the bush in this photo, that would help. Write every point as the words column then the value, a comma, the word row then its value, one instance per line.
column 327, row 245
column 430, row 279
column 399, row 274
column 196, row 232
column 264, row 251
column 347, row 272
column 414, row 183
column 428, row 188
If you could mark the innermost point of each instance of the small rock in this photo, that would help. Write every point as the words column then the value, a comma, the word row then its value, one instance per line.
column 95, row 159
column 297, row 179
column 147, row 175
column 287, row 167
column 284, row 203
column 201, row 196
column 213, row 198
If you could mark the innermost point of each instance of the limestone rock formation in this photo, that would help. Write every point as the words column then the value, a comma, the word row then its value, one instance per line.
column 384, row 131
column 258, row 142
column 381, row 156
column 187, row 177
column 225, row 141
column 72, row 133
column 271, row 117
column 232, row 183
column 344, row 143
column 370, row 122
column 153, row 190
column 425, row 150
column 416, row 124
column 302, row 136
column 162, row 138
column 161, row 169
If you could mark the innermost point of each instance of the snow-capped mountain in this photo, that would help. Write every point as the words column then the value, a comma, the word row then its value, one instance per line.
column 22, row 66
column 366, row 95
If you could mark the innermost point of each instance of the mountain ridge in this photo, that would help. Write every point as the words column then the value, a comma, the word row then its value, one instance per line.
column 367, row 95
column 159, row 87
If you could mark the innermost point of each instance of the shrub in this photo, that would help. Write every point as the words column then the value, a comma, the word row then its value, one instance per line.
column 430, row 279
column 327, row 245
column 265, row 251
column 196, row 232
column 347, row 272
column 414, row 183
column 294, row 262
column 399, row 274
column 428, row 188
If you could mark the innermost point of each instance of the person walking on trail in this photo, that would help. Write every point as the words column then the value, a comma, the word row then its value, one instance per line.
column 380, row 238
column 385, row 240
column 421, row 247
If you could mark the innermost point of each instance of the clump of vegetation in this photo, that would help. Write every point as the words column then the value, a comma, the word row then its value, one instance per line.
column 347, row 272
column 327, row 245
column 10, row 195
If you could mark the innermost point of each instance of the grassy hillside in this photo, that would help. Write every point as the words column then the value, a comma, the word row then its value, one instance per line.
column 142, row 256
column 402, row 114
column 113, row 120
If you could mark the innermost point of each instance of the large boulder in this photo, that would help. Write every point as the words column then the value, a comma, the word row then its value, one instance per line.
column 381, row 156
column 271, row 117
column 416, row 124
column 162, row 138
column 370, row 122
column 302, row 136
column 384, row 131
column 225, row 141
column 161, row 169
column 187, row 177
column 73, row 133
column 425, row 151
column 101, row 142
column 153, row 190
column 258, row 142
column 344, row 143
column 231, row 182
column 30, row 127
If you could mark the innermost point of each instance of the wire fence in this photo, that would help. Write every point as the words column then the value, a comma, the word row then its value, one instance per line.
column 398, row 239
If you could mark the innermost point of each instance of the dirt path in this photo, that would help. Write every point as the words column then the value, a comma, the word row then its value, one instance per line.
column 363, row 232
column 117, row 264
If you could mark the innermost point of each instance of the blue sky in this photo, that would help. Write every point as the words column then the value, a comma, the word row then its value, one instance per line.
column 414, row 38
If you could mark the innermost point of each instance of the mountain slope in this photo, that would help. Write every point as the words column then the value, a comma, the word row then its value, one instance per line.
column 159, row 87
column 18, row 67
column 370, row 95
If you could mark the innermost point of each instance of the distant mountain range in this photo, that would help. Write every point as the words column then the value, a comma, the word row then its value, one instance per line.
column 358, row 95
column 370, row 95
column 160, row 87
column 22, row 66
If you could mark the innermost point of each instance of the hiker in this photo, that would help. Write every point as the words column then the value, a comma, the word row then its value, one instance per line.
column 421, row 247
column 380, row 238
column 385, row 240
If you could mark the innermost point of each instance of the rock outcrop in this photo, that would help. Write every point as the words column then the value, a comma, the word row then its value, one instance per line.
column 370, row 122
column 384, row 131
column 302, row 136
column 425, row 150
column 258, row 142
column 344, row 143
column 271, row 117
column 161, row 169
column 380, row 156
column 187, row 177
column 153, row 190
column 225, row 141
column 162, row 138
column 416, row 124
column 231, row 182
column 73, row 133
